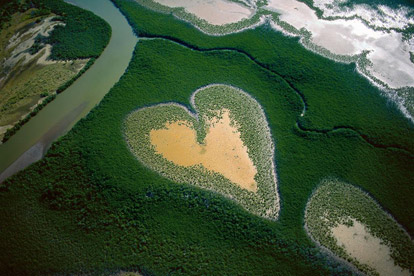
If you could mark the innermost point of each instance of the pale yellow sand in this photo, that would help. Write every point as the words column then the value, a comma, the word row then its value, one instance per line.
column 367, row 249
column 223, row 150
column 215, row 12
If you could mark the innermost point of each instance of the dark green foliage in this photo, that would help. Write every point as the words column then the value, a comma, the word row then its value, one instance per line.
column 332, row 91
column 134, row 218
column 408, row 32
column 8, row 8
column 38, row 44
column 91, row 206
column 84, row 35
column 131, row 216
column 35, row 48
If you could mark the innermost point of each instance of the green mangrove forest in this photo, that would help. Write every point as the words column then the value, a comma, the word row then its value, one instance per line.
column 91, row 207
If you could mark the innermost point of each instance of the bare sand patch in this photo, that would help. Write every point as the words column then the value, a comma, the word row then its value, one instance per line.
column 223, row 150
column 21, row 42
column 215, row 12
column 43, row 59
column 366, row 248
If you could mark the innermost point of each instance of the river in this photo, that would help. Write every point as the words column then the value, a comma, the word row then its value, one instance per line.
column 32, row 141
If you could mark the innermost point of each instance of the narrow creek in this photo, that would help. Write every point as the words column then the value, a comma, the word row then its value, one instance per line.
column 31, row 142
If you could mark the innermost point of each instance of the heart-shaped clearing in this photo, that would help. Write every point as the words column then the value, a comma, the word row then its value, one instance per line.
column 222, row 152
column 226, row 147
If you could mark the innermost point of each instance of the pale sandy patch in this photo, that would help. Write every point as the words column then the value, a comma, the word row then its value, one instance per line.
column 43, row 60
column 367, row 249
column 21, row 42
column 215, row 12
column 389, row 54
column 223, row 150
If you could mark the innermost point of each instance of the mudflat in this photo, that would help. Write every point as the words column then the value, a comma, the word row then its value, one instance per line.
column 223, row 150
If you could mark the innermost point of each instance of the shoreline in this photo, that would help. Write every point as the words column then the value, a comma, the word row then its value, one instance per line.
column 38, row 150
column 268, row 15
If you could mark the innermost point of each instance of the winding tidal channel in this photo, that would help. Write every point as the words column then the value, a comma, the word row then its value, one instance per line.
column 32, row 141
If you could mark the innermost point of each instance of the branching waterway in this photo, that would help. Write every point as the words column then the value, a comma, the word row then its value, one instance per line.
column 31, row 142
column 364, row 137
column 34, row 138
